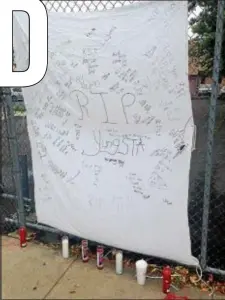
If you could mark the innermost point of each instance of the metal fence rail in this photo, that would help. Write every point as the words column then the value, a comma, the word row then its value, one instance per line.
column 207, row 175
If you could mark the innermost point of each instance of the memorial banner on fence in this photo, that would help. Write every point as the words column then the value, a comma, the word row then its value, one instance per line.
column 111, row 127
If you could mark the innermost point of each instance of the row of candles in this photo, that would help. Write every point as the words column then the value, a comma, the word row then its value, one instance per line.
column 141, row 265
column 99, row 254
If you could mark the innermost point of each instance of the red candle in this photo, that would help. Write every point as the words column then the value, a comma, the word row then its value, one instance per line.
column 23, row 237
column 84, row 250
column 166, row 274
column 100, row 257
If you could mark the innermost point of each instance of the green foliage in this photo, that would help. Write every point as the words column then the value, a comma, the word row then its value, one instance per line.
column 19, row 109
column 204, row 28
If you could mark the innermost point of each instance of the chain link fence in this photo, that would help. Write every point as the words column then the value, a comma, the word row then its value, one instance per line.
column 8, row 205
column 207, row 175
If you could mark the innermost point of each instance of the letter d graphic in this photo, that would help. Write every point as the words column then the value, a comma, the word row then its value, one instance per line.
column 38, row 42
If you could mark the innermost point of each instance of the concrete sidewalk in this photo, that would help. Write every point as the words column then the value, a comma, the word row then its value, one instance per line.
column 37, row 272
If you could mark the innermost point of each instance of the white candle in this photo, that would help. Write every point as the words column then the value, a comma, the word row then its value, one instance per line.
column 141, row 270
column 119, row 262
column 65, row 247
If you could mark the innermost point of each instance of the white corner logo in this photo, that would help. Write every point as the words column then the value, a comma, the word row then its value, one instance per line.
column 37, row 43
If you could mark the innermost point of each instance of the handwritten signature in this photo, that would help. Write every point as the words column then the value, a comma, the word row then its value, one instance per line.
column 124, row 145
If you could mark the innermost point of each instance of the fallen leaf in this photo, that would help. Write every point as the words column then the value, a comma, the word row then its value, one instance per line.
column 222, row 289
column 193, row 279
column 204, row 287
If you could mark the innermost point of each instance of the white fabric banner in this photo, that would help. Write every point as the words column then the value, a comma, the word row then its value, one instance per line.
column 111, row 127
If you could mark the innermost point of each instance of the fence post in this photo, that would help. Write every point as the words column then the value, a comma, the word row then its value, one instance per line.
column 11, row 127
column 211, row 127
column 24, row 175
column 1, row 139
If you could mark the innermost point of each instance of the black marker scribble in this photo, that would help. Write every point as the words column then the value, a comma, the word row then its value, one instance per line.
column 157, row 181
column 180, row 151
column 70, row 180
column 115, row 161
column 166, row 201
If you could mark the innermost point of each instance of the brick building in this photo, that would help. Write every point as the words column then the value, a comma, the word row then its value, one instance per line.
column 195, row 77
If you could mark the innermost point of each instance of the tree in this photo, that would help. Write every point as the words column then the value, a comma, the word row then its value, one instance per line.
column 202, row 44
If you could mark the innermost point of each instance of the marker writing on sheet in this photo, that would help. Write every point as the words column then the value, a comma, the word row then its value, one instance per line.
column 181, row 149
